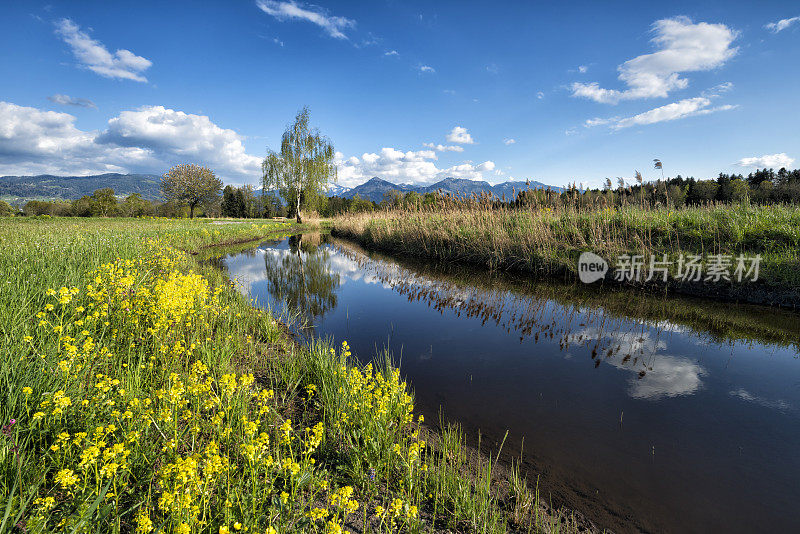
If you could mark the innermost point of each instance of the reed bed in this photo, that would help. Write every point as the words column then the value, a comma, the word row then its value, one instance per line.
column 549, row 240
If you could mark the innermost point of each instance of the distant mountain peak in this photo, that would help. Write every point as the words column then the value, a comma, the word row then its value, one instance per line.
column 376, row 188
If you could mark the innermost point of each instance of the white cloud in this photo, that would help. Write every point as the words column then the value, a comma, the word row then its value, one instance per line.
column 689, row 107
column 683, row 46
column 33, row 141
column 93, row 55
column 509, row 141
column 333, row 26
column 582, row 69
column 149, row 139
column 396, row 166
column 460, row 135
column 444, row 148
column 781, row 25
column 540, row 95
column 426, row 68
column 66, row 100
column 718, row 90
column 767, row 161
column 176, row 135
column 391, row 53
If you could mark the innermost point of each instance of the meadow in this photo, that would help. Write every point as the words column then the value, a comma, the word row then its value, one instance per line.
column 141, row 392
column 548, row 240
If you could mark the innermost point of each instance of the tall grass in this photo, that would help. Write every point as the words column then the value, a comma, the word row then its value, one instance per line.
column 549, row 241
column 140, row 392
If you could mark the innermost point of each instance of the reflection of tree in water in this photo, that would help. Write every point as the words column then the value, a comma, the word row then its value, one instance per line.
column 634, row 338
column 301, row 277
column 526, row 314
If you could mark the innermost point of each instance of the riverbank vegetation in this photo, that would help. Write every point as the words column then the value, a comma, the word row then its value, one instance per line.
column 140, row 392
column 547, row 239
column 443, row 286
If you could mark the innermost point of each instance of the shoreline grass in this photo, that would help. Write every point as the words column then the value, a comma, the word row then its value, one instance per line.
column 548, row 242
column 142, row 393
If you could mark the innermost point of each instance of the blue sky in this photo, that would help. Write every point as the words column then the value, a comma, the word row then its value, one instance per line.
column 408, row 91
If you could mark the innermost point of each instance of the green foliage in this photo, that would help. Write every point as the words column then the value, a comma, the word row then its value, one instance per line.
column 6, row 210
column 304, row 165
column 135, row 206
column 191, row 184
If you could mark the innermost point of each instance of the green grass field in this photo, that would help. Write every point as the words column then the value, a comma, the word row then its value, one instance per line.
column 140, row 392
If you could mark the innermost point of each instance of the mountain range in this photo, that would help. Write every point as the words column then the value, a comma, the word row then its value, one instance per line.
column 50, row 187
column 376, row 188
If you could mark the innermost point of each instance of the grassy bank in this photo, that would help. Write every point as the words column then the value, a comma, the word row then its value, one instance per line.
column 549, row 241
column 444, row 286
column 140, row 392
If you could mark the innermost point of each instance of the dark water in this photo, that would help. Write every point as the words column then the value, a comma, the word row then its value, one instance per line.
column 642, row 412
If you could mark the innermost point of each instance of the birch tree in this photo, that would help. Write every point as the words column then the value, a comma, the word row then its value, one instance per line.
column 304, row 165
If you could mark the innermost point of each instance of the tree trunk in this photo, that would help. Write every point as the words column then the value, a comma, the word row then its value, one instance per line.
column 299, row 220
column 191, row 211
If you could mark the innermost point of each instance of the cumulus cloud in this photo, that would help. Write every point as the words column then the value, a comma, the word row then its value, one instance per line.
column 33, row 141
column 444, row 148
column 460, row 135
column 149, row 139
column 426, row 68
column 767, row 161
column 333, row 26
column 93, row 55
column 509, row 141
column 66, row 100
column 689, row 107
column 683, row 46
column 582, row 69
column 391, row 53
column 540, row 95
column 781, row 25
column 396, row 166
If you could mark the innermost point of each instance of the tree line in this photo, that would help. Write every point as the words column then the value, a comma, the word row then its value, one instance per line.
column 764, row 186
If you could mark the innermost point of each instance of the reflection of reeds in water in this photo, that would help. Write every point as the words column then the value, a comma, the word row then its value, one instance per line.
column 526, row 315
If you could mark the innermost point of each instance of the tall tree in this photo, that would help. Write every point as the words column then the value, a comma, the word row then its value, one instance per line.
column 190, row 184
column 303, row 166
column 228, row 206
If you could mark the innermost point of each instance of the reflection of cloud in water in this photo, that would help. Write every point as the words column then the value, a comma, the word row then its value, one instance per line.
column 660, row 375
column 750, row 397
column 348, row 269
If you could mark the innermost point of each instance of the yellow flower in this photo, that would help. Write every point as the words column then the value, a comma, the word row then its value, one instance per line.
column 143, row 522
column 237, row 526
column 27, row 391
column 224, row 530
column 67, row 478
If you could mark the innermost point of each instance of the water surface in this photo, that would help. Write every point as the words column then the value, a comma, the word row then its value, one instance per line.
column 644, row 413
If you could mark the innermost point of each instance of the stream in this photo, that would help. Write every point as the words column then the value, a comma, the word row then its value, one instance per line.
column 642, row 412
